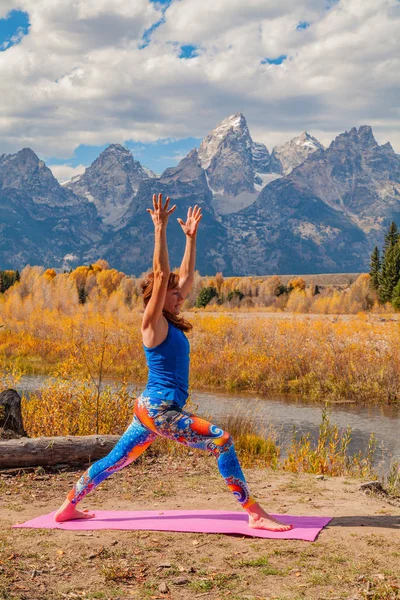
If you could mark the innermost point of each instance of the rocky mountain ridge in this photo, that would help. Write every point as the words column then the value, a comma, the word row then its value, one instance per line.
column 324, row 215
column 295, row 151
column 40, row 221
column 111, row 182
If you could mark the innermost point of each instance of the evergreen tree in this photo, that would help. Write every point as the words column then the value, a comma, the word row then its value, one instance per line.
column 390, row 273
column 375, row 266
column 396, row 296
column 235, row 294
column 82, row 294
column 7, row 279
column 205, row 296
column 391, row 237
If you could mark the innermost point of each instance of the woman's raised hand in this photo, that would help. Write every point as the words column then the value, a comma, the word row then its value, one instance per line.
column 193, row 219
column 160, row 213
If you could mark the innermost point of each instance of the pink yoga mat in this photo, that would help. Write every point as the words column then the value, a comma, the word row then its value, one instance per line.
column 194, row 521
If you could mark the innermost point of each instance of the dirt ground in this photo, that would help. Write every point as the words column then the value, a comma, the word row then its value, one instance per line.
column 357, row 556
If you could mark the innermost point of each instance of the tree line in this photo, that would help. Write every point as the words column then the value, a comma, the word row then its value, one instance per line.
column 385, row 268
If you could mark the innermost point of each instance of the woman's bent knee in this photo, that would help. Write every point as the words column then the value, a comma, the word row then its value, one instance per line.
column 222, row 443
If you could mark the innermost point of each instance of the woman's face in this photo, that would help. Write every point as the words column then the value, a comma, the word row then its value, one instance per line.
column 173, row 301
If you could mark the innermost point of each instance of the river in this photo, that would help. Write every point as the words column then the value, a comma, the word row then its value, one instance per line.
column 285, row 413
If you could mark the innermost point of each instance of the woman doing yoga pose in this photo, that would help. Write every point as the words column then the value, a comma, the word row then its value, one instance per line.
column 159, row 410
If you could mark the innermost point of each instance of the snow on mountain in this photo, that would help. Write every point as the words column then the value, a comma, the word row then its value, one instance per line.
column 234, row 164
column 295, row 151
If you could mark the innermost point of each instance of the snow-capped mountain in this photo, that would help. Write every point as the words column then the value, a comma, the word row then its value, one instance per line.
column 295, row 152
column 234, row 164
column 111, row 182
column 324, row 216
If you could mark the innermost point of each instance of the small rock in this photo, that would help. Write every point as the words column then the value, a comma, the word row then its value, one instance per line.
column 181, row 580
column 163, row 588
column 164, row 565
column 371, row 485
column 114, row 543
column 320, row 477
column 191, row 570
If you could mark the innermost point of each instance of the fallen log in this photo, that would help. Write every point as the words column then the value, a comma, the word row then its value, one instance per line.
column 50, row 451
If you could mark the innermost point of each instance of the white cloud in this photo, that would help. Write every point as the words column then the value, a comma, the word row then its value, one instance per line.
column 7, row 6
column 65, row 172
column 80, row 77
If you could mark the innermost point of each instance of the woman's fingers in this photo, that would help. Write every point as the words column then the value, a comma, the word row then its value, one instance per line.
column 171, row 210
column 158, row 205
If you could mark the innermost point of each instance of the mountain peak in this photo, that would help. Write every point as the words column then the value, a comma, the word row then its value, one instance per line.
column 232, row 130
column 188, row 169
column 366, row 136
column 28, row 153
column 111, row 182
column 296, row 151
column 237, row 120
column 26, row 172
column 362, row 138
column 116, row 148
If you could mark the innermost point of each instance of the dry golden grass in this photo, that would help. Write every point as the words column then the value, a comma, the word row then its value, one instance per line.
column 45, row 329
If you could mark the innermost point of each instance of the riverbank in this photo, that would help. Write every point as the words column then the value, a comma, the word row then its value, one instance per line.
column 339, row 360
column 356, row 556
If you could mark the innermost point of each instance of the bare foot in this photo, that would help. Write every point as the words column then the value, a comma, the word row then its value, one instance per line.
column 269, row 523
column 67, row 512
column 259, row 519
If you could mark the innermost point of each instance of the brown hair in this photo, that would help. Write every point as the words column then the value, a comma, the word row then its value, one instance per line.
column 173, row 282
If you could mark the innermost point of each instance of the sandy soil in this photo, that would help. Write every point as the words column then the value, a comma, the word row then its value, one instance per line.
column 356, row 556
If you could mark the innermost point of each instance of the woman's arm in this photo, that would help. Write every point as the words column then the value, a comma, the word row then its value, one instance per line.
column 153, row 325
column 186, row 271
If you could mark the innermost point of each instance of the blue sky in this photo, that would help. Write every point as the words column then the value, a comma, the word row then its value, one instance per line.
column 157, row 156
column 12, row 28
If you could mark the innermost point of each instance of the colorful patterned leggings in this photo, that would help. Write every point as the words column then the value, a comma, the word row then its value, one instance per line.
column 154, row 417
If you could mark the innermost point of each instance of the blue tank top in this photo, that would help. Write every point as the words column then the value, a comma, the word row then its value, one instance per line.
column 168, row 365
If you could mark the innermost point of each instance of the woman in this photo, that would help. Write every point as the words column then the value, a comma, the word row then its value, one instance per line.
column 159, row 410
